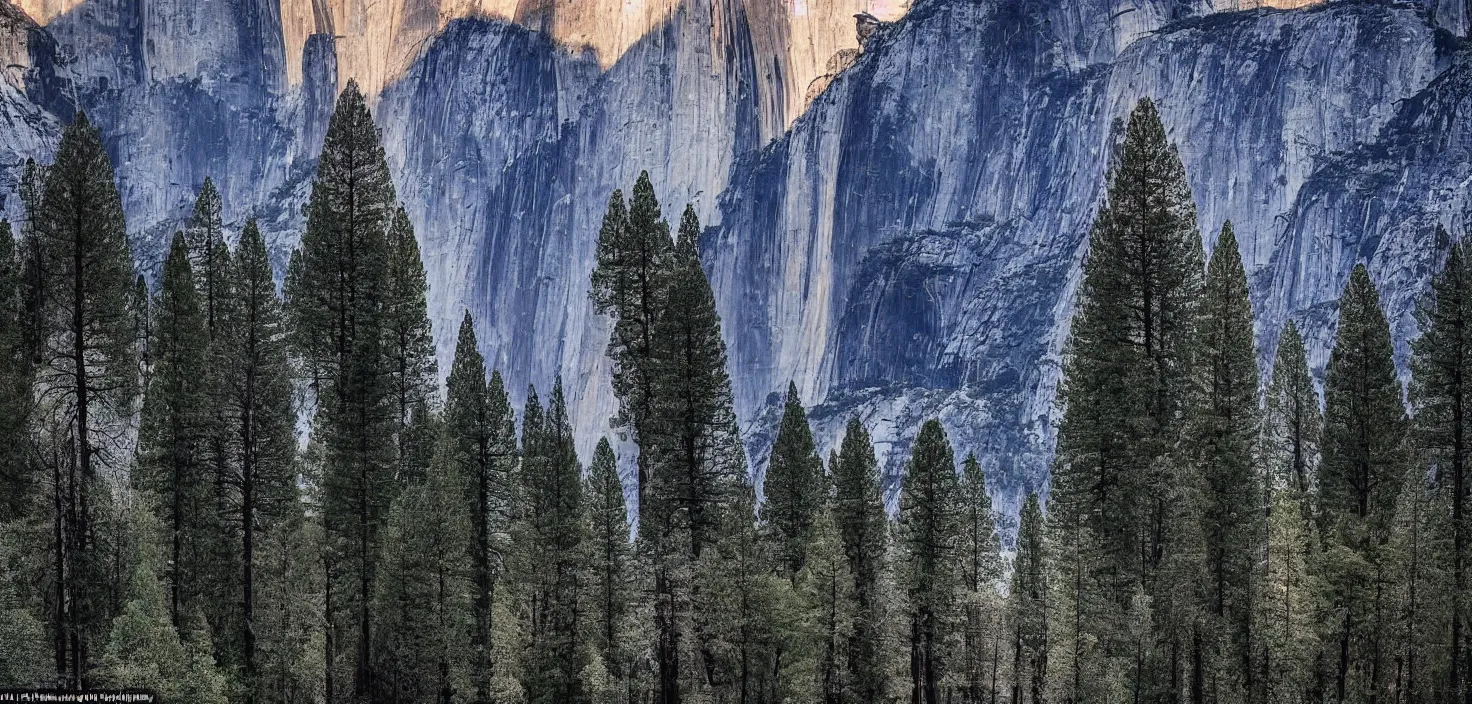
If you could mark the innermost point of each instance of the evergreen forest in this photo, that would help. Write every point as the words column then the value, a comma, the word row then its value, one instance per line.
column 223, row 484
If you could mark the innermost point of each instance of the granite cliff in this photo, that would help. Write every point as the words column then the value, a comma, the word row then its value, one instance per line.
column 897, row 226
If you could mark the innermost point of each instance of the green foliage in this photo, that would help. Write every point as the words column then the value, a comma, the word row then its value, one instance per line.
column 1124, row 396
column 741, row 604
column 339, row 298
column 1222, row 433
column 18, row 478
column 1198, row 547
column 1027, row 608
column 552, row 570
column 173, row 473
column 858, row 512
column 410, row 343
column 829, row 613
column 1287, row 648
column 929, row 537
column 977, row 596
column 209, row 256
column 631, row 284
column 287, row 615
column 613, row 583
column 24, row 656
column 83, row 338
column 1359, row 482
column 479, row 445
column 144, row 650
column 1442, row 372
column 422, row 595
column 794, row 488
column 1363, row 422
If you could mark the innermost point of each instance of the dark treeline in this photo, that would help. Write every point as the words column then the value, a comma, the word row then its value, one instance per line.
column 162, row 524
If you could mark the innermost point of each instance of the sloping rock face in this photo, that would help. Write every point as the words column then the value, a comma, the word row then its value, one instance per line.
column 912, row 247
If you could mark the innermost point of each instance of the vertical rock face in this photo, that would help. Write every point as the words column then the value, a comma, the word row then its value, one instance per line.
column 906, row 252
column 484, row 96
column 899, row 229
column 26, row 129
column 515, row 184
column 379, row 40
column 181, row 90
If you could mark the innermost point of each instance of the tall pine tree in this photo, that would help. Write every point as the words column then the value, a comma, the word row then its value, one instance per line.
column 863, row 527
column 930, row 531
column 793, row 487
column 552, row 557
column 1441, row 392
column 631, row 285
column 480, row 444
column 981, row 574
column 826, row 590
column 612, row 581
column 694, row 457
column 85, row 352
column 208, row 254
column 409, row 340
column 255, row 403
column 1222, row 434
column 337, row 294
column 1285, row 638
column 1028, row 608
column 422, row 594
column 173, row 470
column 1359, row 480
column 17, row 473
column 1122, row 397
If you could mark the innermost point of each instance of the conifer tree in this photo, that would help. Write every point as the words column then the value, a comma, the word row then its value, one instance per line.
column 208, row 254
column 33, row 271
column 410, row 343
column 336, row 290
column 1028, row 608
column 85, row 355
column 930, row 533
column 858, row 512
column 1359, row 480
column 422, row 595
column 793, row 488
column 1415, row 602
column 25, row 657
column 981, row 573
column 1286, row 636
column 17, row 475
column 143, row 649
column 1123, row 396
column 173, row 471
column 287, row 612
column 631, row 284
column 612, row 585
column 826, row 590
column 1285, row 629
column 554, row 536
column 696, row 463
column 741, row 600
column 692, row 422
column 1441, row 392
column 255, row 406
column 1222, row 433
column 480, row 444
column 1293, row 424
column 210, row 261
